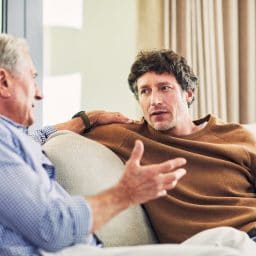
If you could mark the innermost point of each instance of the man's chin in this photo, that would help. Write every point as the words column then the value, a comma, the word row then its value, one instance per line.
column 30, row 121
column 162, row 127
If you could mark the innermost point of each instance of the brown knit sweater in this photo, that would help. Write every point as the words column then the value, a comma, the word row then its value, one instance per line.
column 218, row 189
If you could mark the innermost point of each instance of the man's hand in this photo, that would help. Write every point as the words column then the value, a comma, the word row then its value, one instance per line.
column 142, row 183
column 96, row 118
column 100, row 117
column 137, row 185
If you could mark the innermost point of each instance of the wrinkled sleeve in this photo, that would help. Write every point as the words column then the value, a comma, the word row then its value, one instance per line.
column 41, row 135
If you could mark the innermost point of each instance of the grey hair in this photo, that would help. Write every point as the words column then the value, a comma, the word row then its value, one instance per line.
column 10, row 52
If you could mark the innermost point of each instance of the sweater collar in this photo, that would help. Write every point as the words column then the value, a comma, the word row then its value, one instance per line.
column 210, row 119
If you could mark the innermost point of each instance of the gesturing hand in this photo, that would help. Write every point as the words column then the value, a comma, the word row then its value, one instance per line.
column 143, row 183
column 138, row 184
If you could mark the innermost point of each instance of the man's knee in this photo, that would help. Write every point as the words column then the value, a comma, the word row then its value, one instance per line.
column 220, row 236
column 224, row 236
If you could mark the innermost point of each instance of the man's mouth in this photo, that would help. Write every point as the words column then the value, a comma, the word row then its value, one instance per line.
column 158, row 113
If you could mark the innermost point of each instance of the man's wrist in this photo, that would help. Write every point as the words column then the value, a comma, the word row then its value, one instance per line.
column 85, row 119
column 122, row 195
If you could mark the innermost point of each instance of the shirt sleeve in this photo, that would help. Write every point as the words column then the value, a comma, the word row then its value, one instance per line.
column 38, row 208
column 41, row 135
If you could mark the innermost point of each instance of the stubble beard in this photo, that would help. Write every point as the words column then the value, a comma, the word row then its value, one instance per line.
column 164, row 125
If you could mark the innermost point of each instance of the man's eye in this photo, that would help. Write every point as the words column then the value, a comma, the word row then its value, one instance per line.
column 165, row 88
column 144, row 91
column 34, row 75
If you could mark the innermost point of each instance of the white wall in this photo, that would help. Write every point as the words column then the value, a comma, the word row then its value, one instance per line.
column 101, row 52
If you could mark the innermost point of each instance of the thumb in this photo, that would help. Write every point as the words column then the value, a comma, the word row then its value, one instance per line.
column 137, row 152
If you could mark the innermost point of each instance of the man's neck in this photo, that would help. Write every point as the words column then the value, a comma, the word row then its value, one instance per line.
column 186, row 127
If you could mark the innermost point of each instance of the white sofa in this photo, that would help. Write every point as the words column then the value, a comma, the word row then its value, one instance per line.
column 85, row 167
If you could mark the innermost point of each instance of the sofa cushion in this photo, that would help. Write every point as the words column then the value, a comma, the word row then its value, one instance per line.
column 85, row 167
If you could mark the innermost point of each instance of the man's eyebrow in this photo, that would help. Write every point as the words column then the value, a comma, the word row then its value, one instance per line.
column 157, row 84
column 143, row 86
column 164, row 83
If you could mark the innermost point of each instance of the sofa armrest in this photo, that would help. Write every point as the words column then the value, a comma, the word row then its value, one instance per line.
column 86, row 167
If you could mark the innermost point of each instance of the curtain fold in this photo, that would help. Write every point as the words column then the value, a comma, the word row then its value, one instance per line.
column 218, row 39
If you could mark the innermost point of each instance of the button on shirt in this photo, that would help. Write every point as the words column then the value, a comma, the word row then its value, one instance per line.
column 35, row 211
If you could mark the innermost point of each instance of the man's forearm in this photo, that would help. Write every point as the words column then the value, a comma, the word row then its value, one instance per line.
column 75, row 125
column 106, row 205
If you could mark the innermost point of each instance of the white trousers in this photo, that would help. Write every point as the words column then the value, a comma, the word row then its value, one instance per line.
column 222, row 241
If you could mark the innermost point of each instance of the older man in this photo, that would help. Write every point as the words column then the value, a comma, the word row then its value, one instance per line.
column 219, row 188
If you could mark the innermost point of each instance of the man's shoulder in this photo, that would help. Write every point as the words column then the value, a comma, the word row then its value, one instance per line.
column 251, row 128
column 234, row 132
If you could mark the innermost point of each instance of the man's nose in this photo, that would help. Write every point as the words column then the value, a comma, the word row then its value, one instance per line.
column 156, row 98
column 38, row 93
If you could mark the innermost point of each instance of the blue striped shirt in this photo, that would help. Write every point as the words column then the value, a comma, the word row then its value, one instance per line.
column 35, row 211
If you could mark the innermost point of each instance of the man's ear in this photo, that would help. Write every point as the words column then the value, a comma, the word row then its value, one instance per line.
column 4, row 84
column 189, row 96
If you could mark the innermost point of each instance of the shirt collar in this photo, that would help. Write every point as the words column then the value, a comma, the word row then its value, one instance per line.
column 11, row 122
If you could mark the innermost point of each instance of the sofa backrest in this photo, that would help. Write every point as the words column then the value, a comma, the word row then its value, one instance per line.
column 85, row 167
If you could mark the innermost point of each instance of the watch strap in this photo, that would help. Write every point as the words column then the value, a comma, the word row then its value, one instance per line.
column 85, row 118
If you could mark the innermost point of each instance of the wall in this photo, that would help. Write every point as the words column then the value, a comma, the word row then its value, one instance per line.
column 101, row 51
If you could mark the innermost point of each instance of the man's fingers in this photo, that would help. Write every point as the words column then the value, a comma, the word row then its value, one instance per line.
column 174, row 163
column 167, row 166
column 179, row 173
column 137, row 152
column 161, row 193
column 124, row 119
column 170, row 180
column 175, row 175
column 120, row 118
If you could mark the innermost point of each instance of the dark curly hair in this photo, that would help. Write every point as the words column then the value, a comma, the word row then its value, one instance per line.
column 162, row 61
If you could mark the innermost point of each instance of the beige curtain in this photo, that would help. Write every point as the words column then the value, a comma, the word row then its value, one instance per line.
column 218, row 39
